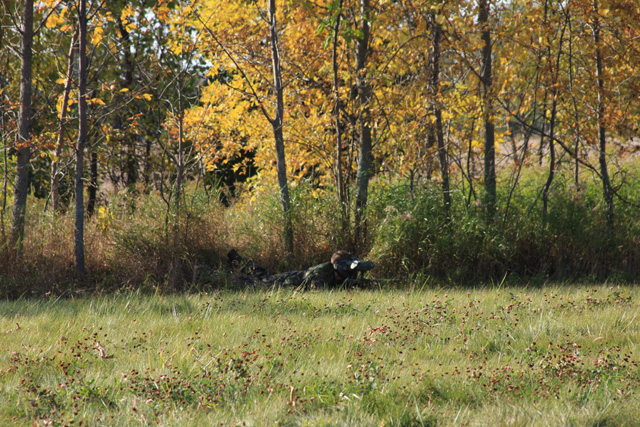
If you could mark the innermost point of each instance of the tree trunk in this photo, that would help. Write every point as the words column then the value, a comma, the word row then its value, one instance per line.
column 92, row 190
column 431, row 142
column 487, row 112
column 5, row 178
column 147, row 163
column 364, row 119
column 177, row 190
column 82, row 140
column 342, row 199
column 21, row 187
column 277, row 123
column 175, row 274
column 131, row 163
column 600, row 107
column 435, row 87
column 552, row 123
column 5, row 150
column 578, row 132
column 55, row 174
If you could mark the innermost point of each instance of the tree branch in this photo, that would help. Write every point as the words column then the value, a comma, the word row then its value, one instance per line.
column 244, row 76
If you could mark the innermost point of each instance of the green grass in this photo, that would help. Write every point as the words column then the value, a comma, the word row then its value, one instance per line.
column 556, row 355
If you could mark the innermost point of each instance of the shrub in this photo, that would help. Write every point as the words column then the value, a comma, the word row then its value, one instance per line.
column 413, row 234
column 135, row 241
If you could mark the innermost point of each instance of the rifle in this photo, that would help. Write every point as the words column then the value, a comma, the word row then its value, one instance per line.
column 364, row 281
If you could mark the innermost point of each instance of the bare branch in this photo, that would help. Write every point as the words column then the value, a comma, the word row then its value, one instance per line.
column 244, row 76
column 46, row 18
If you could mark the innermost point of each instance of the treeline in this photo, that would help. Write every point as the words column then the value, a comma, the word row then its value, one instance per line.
column 330, row 104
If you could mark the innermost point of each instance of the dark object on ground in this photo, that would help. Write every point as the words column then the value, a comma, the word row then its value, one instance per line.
column 247, row 266
column 343, row 268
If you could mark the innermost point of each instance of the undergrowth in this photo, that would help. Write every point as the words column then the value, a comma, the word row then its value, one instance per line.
column 135, row 242
column 414, row 234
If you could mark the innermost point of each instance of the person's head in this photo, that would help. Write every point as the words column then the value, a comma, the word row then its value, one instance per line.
column 339, row 256
column 342, row 261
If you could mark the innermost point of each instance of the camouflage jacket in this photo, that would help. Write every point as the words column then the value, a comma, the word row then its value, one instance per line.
column 325, row 275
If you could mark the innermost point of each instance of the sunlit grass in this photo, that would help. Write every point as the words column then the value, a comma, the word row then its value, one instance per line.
column 561, row 355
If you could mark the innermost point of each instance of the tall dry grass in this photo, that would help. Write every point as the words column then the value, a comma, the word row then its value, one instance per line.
column 128, row 244
column 136, row 242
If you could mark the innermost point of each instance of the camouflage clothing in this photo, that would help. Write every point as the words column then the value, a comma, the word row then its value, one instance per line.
column 320, row 276
column 342, row 267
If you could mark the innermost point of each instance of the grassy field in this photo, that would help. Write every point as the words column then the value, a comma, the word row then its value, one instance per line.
column 556, row 355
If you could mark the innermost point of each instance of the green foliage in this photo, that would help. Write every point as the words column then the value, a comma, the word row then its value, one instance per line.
column 137, row 242
column 413, row 233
